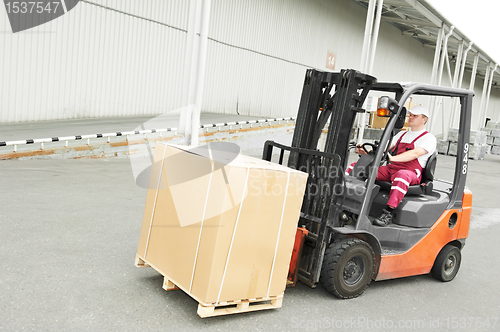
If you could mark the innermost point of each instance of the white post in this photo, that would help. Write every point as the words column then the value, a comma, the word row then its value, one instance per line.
column 194, row 72
column 444, row 54
column 474, row 72
column 437, row 54
column 484, row 93
column 492, row 73
column 464, row 62
column 188, row 63
column 202, row 58
column 457, row 64
column 365, row 58
column 368, row 32
column 456, row 105
column 454, row 83
column 448, row 67
column 375, row 37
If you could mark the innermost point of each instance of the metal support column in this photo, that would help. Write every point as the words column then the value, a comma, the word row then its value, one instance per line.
column 462, row 68
column 488, row 96
column 474, row 72
column 456, row 107
column 368, row 32
column 483, row 95
column 454, row 83
column 374, row 41
column 202, row 59
column 458, row 61
column 369, row 50
column 191, row 69
column 444, row 54
column 437, row 54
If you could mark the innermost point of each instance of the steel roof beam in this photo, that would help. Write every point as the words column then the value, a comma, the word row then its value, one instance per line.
column 409, row 22
column 398, row 3
column 427, row 13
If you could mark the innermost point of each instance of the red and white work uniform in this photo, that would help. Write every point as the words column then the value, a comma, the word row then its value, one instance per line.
column 404, row 174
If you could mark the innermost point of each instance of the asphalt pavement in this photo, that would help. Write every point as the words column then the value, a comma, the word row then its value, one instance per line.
column 69, row 231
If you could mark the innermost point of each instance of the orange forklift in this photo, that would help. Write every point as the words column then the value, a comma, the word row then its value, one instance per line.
column 336, row 244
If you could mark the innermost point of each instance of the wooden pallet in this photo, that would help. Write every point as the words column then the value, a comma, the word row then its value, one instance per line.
column 223, row 308
column 236, row 307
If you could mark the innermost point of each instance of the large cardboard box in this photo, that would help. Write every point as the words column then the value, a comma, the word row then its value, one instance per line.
column 220, row 230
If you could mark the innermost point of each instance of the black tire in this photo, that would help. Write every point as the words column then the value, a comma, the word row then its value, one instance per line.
column 348, row 267
column 447, row 263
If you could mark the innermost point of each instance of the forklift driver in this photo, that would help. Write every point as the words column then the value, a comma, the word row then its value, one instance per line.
column 408, row 156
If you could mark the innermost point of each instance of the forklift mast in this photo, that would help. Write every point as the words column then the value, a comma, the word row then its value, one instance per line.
column 325, row 97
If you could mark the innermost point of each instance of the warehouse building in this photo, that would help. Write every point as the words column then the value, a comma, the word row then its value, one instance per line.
column 116, row 58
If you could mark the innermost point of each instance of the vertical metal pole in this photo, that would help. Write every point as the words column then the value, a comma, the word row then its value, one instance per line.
column 202, row 59
column 448, row 67
column 194, row 72
column 456, row 107
column 483, row 95
column 474, row 72
column 368, row 31
column 457, row 65
column 375, row 37
column 444, row 55
column 492, row 73
column 454, row 82
column 437, row 54
column 365, row 61
column 440, row 75
column 188, row 63
column 464, row 62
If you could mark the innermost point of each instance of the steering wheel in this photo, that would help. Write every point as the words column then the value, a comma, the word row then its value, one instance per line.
column 373, row 146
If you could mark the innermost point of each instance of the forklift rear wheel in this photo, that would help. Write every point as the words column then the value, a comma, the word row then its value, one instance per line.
column 447, row 263
column 347, row 267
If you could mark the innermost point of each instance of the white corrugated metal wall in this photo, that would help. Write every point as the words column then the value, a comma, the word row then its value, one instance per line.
column 96, row 61
column 294, row 32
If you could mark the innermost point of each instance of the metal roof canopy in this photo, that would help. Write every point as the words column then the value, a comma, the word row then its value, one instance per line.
column 419, row 20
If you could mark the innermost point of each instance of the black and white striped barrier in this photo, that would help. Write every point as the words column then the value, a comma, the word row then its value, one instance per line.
column 66, row 139
column 250, row 122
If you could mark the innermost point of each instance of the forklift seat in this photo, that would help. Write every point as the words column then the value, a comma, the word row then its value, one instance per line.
column 426, row 185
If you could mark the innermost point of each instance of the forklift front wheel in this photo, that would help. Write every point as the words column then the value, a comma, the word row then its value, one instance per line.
column 348, row 267
column 447, row 263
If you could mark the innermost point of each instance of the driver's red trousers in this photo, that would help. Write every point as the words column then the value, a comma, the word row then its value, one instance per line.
column 401, row 179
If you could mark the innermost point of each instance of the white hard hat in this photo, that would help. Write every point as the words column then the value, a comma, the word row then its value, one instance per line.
column 419, row 110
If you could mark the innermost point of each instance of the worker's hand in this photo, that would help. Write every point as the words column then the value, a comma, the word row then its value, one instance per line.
column 389, row 156
column 359, row 149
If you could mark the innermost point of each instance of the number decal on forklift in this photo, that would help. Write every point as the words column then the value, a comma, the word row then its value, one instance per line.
column 466, row 158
